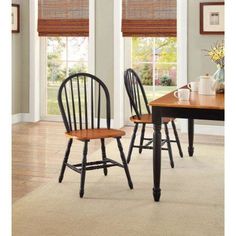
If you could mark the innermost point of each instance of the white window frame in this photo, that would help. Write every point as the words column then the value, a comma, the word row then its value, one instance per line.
column 118, row 60
column 182, row 45
column 43, row 81
column 34, row 93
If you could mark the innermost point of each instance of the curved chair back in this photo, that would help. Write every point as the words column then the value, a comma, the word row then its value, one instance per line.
column 80, row 99
column 136, row 93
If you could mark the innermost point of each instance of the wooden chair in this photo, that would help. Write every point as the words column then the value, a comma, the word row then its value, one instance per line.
column 139, row 106
column 80, row 99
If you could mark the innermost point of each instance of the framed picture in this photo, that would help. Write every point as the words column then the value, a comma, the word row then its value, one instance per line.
column 212, row 17
column 15, row 18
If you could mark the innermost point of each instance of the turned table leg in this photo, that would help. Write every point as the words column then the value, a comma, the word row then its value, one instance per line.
column 157, row 159
column 190, row 137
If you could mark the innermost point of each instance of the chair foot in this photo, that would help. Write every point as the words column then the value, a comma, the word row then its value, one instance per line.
column 131, row 185
column 81, row 194
column 172, row 164
column 156, row 194
column 105, row 172
column 60, row 179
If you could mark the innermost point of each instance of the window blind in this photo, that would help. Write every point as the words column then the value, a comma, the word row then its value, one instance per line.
column 63, row 18
column 149, row 18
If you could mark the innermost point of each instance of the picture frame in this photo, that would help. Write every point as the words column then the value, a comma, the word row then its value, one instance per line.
column 15, row 18
column 212, row 18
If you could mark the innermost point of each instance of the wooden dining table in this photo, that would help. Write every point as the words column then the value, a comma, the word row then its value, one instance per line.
column 201, row 107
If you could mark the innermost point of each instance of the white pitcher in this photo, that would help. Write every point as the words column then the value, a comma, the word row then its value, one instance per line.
column 207, row 85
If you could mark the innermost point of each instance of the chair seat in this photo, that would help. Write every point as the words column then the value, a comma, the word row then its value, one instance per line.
column 87, row 134
column 147, row 119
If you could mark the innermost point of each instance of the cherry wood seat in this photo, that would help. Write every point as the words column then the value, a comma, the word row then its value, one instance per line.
column 87, row 134
column 147, row 119
column 82, row 99
column 142, row 115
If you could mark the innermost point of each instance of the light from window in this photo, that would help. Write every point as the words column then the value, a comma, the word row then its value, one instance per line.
column 154, row 60
column 65, row 56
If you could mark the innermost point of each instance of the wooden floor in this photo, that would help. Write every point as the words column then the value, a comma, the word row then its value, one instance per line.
column 38, row 148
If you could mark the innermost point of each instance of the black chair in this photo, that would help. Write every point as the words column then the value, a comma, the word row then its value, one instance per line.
column 82, row 122
column 142, row 115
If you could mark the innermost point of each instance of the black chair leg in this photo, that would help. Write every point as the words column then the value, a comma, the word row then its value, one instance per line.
column 122, row 155
column 83, row 168
column 104, row 156
column 169, row 145
column 177, row 138
column 141, row 138
column 132, row 142
column 67, row 153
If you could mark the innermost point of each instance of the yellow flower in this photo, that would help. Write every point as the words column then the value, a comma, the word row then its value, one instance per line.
column 216, row 53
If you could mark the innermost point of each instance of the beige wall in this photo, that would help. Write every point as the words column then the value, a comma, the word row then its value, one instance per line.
column 198, row 63
column 104, row 48
column 20, row 62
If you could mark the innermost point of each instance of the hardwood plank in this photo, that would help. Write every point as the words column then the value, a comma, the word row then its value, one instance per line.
column 34, row 164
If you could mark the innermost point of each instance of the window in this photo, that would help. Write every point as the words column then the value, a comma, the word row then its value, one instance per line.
column 155, row 61
column 64, row 56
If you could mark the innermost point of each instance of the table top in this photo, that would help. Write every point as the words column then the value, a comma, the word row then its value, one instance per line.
column 196, row 101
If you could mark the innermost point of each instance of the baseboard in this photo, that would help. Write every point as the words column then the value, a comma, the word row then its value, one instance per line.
column 205, row 129
column 177, row 124
column 210, row 129
column 198, row 129
column 182, row 125
column 26, row 117
column 16, row 118
column 103, row 123
column 21, row 117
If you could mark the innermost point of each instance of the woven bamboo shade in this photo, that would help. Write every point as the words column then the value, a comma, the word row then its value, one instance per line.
column 63, row 18
column 150, row 18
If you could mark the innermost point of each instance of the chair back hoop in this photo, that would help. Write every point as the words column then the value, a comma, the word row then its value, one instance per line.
column 136, row 93
column 80, row 99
